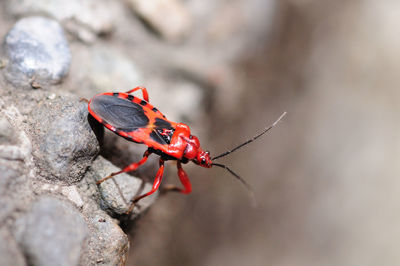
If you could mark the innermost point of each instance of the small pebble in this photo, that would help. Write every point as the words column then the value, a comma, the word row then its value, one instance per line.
column 64, row 144
column 109, row 245
column 37, row 52
column 52, row 233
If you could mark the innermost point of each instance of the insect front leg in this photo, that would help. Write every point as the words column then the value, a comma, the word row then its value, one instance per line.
column 129, row 168
column 187, row 186
column 144, row 92
column 156, row 185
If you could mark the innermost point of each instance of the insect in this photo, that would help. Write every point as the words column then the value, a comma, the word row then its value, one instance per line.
column 137, row 120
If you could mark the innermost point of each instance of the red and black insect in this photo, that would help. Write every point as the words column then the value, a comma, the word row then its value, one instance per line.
column 138, row 121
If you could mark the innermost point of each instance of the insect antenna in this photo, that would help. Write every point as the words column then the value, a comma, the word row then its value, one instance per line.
column 249, row 141
column 244, row 183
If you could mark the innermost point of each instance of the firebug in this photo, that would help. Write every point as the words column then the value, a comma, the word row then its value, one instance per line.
column 137, row 120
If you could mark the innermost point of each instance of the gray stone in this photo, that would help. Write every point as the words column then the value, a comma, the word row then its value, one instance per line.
column 117, row 192
column 37, row 52
column 84, row 18
column 70, row 192
column 51, row 233
column 10, row 254
column 108, row 243
column 64, row 144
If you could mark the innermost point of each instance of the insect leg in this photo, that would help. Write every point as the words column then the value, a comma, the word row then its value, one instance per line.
column 184, row 180
column 144, row 92
column 83, row 100
column 129, row 168
column 156, row 184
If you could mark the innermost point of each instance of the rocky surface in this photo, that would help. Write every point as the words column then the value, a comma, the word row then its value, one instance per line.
column 52, row 232
column 55, row 53
column 108, row 244
column 117, row 192
column 65, row 145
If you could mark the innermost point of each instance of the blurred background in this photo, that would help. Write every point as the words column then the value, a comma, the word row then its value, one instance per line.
column 327, row 177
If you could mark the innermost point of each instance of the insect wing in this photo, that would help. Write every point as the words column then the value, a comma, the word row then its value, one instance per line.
column 133, row 118
column 122, row 114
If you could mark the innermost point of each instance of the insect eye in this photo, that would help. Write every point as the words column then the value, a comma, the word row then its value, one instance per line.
column 203, row 161
column 191, row 137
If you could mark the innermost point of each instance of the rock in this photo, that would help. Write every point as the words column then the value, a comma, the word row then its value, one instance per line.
column 51, row 233
column 37, row 52
column 84, row 18
column 168, row 17
column 64, row 144
column 117, row 192
column 108, row 243
column 70, row 192
column 10, row 254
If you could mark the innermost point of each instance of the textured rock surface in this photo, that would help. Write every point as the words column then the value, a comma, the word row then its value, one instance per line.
column 116, row 193
column 110, row 244
column 52, row 233
column 64, row 145
column 37, row 52
column 49, row 198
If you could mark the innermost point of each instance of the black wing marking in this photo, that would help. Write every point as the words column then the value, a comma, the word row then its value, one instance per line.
column 161, row 124
column 124, row 115
column 162, row 132
column 157, row 137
